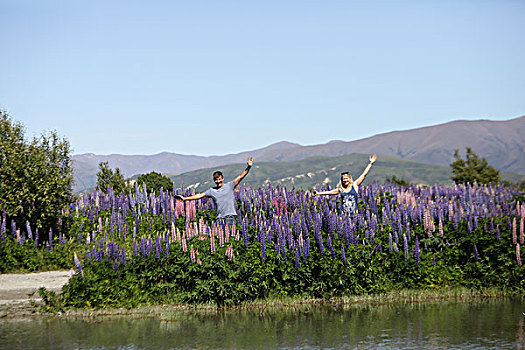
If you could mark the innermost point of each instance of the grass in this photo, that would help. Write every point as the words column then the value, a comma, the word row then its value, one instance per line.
column 395, row 298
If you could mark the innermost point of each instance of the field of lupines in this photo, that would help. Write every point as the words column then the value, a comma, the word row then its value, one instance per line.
column 142, row 249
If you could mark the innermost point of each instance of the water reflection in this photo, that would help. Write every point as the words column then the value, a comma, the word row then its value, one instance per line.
column 490, row 324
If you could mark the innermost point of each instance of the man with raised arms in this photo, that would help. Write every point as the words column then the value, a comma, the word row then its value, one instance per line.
column 222, row 195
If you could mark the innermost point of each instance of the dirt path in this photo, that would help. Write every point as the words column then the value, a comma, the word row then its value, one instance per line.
column 15, row 289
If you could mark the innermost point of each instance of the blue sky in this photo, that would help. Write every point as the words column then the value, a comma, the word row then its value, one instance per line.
column 219, row 77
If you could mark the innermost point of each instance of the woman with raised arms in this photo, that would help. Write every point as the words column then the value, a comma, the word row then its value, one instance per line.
column 349, row 189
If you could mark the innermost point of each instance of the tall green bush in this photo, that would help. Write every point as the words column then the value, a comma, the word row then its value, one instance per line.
column 36, row 176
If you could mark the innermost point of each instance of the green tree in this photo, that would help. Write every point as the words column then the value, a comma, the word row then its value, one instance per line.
column 36, row 177
column 107, row 178
column 400, row 181
column 472, row 169
column 155, row 181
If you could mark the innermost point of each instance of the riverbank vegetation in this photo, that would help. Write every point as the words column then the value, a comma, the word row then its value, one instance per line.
column 144, row 249
column 140, row 246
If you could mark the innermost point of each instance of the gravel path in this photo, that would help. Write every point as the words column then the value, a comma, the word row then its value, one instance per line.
column 15, row 289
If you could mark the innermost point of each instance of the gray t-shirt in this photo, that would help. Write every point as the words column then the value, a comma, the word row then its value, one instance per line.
column 224, row 199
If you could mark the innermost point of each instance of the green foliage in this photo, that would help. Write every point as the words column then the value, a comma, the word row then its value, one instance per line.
column 35, row 177
column 109, row 178
column 16, row 257
column 472, row 170
column 370, row 270
column 155, row 181
column 52, row 302
column 399, row 181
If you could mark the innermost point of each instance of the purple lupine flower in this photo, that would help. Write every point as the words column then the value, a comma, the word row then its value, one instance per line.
column 167, row 250
column 78, row 265
column 244, row 230
column 475, row 252
column 123, row 256
column 149, row 246
column 389, row 242
column 28, row 229
column 296, row 257
column 135, row 250
column 50, row 247
column 2, row 231
column 329, row 244
column 416, row 250
column 158, row 248
column 433, row 260
column 115, row 265
column 343, row 255
column 262, row 241
column 142, row 247
column 405, row 247
column 2, row 225
column 80, row 272
column 306, row 248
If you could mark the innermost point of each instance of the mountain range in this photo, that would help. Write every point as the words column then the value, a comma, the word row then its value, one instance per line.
column 502, row 143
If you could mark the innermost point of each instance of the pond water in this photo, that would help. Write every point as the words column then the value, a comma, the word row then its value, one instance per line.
column 485, row 324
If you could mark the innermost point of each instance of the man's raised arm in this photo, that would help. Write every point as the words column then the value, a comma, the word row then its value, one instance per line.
column 239, row 178
column 194, row 197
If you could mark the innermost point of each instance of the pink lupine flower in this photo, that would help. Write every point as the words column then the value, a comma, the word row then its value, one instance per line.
column 212, row 240
column 518, row 257
column 191, row 211
column 184, row 245
column 521, row 230
column 202, row 225
column 514, row 238
column 192, row 254
column 179, row 209
column 237, row 234
column 229, row 252
column 221, row 236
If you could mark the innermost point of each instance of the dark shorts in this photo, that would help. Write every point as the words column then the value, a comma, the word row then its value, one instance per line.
column 227, row 220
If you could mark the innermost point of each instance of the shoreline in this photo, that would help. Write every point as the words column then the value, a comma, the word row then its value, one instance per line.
column 19, row 291
column 19, row 299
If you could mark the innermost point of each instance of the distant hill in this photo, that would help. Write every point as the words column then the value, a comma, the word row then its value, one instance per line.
column 501, row 142
column 321, row 171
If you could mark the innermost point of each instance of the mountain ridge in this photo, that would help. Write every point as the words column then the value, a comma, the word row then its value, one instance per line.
column 500, row 142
